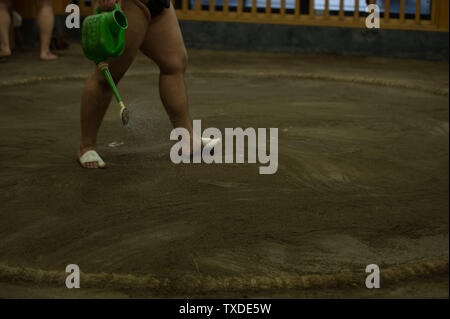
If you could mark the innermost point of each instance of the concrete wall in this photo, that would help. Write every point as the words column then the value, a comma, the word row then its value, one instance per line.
column 309, row 39
column 297, row 39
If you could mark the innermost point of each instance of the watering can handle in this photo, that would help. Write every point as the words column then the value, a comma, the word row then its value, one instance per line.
column 116, row 7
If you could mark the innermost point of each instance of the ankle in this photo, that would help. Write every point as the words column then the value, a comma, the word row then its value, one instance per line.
column 86, row 146
column 45, row 51
column 47, row 55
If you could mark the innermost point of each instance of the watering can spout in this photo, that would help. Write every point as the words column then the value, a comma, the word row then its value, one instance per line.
column 103, row 37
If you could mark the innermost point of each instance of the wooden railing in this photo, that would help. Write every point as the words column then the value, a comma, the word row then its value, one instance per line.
column 435, row 20
column 300, row 12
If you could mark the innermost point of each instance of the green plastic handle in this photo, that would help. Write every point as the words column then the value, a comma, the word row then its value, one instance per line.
column 116, row 7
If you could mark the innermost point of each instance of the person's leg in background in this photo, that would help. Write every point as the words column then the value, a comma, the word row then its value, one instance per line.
column 45, row 21
column 97, row 94
column 5, row 24
column 164, row 44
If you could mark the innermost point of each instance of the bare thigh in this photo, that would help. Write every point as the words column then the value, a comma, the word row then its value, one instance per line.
column 164, row 43
column 138, row 22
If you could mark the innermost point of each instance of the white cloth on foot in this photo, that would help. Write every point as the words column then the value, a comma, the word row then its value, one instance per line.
column 92, row 157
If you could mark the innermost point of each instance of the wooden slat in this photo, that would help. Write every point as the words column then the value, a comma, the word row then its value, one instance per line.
column 240, row 6
column 268, row 8
column 418, row 11
column 442, row 21
column 326, row 13
column 341, row 8
column 402, row 11
column 434, row 11
column 283, row 7
column 184, row 5
column 356, row 12
column 254, row 9
column 311, row 8
column 198, row 5
column 212, row 6
column 225, row 7
column 387, row 10
column 297, row 8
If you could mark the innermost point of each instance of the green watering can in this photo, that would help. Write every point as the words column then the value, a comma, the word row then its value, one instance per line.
column 103, row 37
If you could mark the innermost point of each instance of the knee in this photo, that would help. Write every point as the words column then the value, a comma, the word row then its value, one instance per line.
column 101, row 81
column 174, row 64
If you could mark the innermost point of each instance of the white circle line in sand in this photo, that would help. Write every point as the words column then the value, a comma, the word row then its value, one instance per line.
column 207, row 284
column 237, row 73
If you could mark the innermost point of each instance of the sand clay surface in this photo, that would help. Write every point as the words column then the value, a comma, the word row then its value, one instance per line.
column 363, row 178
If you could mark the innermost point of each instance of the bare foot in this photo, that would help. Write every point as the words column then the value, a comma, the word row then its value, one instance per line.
column 48, row 56
column 81, row 152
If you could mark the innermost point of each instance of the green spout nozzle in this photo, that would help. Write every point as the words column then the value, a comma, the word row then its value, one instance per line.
column 103, row 66
column 124, row 115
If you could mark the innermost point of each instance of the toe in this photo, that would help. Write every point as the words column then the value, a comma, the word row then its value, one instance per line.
column 92, row 165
